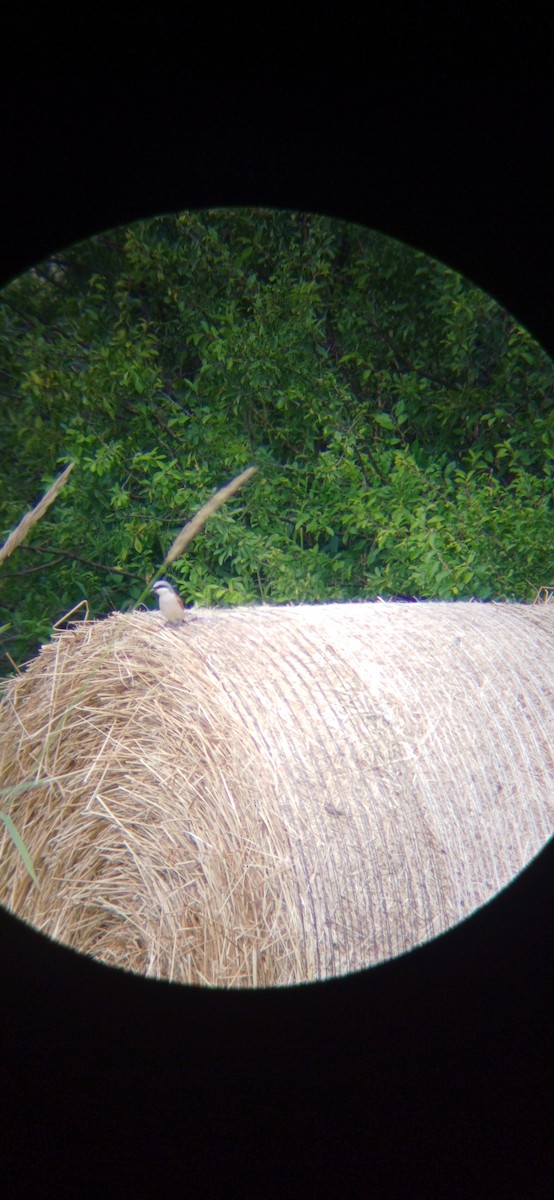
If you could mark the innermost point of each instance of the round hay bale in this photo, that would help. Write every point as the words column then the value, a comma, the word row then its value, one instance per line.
column 268, row 795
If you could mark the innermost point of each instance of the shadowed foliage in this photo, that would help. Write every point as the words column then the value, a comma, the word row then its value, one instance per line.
column 402, row 423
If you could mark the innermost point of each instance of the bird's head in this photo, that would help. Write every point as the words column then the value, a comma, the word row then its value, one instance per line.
column 163, row 588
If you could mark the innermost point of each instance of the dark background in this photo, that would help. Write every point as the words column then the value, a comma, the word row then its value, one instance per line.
column 431, row 1075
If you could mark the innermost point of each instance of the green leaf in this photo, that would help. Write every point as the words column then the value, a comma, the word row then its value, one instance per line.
column 385, row 420
column 19, row 844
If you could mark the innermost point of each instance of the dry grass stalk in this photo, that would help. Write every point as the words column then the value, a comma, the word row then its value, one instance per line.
column 270, row 795
column 189, row 531
column 19, row 534
column 544, row 596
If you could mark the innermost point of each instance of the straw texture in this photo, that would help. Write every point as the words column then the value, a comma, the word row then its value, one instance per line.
column 267, row 795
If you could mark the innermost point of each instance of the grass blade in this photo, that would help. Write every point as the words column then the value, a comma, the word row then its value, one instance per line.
column 19, row 845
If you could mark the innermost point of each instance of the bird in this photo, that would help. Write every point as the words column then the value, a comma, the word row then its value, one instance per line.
column 171, row 605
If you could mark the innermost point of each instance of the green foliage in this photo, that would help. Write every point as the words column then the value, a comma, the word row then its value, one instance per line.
column 402, row 422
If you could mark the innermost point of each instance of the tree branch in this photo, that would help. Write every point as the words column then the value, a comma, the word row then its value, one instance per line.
column 65, row 554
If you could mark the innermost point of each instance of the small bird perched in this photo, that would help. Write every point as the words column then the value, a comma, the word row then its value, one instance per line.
column 171, row 605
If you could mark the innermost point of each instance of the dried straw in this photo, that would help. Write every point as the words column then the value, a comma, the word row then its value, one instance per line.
column 24, row 527
column 190, row 530
column 269, row 795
